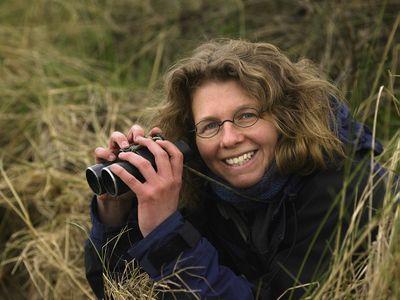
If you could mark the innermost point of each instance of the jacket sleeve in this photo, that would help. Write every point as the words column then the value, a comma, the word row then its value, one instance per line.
column 106, row 248
column 176, row 253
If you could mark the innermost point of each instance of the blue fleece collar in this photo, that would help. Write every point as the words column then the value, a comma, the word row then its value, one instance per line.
column 264, row 190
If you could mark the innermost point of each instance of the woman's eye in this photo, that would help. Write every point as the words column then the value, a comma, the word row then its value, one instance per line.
column 247, row 115
column 207, row 127
column 210, row 126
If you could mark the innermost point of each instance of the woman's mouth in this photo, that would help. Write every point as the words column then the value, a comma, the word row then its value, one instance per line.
column 239, row 160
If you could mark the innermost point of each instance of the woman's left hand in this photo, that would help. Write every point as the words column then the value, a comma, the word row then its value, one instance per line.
column 158, row 196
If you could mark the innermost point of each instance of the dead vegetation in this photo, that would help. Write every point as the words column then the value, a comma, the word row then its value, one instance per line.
column 74, row 71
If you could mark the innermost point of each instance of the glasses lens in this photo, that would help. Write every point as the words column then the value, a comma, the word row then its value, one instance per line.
column 207, row 128
column 246, row 117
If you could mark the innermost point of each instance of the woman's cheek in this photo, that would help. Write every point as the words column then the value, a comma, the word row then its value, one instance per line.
column 207, row 153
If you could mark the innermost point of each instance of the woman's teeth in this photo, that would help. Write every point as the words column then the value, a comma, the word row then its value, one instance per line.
column 240, row 160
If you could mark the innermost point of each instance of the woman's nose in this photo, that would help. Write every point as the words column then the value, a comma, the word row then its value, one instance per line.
column 230, row 135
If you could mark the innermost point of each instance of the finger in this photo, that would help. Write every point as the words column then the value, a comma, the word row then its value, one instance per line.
column 160, row 156
column 136, row 130
column 175, row 157
column 155, row 131
column 134, row 184
column 143, row 165
column 103, row 154
column 118, row 141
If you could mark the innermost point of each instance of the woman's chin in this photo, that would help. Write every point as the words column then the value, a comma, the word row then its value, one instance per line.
column 244, row 181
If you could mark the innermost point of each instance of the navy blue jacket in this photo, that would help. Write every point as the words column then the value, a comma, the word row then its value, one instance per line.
column 220, row 251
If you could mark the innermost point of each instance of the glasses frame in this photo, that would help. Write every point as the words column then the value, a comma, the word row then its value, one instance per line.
column 259, row 114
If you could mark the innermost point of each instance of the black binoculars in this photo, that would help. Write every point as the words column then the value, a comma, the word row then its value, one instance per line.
column 101, row 180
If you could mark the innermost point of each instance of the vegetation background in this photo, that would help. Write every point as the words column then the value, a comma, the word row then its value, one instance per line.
column 71, row 72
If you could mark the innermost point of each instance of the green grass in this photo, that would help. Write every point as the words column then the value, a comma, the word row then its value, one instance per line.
column 73, row 71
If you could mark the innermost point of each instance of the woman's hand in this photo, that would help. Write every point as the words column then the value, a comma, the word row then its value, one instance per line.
column 113, row 210
column 158, row 196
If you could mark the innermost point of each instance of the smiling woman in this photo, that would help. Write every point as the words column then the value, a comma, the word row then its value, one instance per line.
column 270, row 137
column 236, row 154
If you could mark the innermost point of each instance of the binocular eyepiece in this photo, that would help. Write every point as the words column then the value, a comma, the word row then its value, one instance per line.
column 101, row 180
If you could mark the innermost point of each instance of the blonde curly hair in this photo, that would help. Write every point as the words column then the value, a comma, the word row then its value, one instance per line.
column 294, row 95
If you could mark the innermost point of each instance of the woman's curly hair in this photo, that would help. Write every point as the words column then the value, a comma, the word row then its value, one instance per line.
column 295, row 96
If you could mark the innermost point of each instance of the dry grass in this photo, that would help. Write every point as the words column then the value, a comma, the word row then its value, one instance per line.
column 74, row 71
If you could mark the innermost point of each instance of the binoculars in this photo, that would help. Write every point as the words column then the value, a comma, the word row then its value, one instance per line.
column 101, row 180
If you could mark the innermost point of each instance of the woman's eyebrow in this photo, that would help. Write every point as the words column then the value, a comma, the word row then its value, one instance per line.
column 253, row 106
column 208, row 118
column 213, row 118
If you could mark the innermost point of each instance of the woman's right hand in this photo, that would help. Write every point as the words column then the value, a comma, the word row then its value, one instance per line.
column 114, row 211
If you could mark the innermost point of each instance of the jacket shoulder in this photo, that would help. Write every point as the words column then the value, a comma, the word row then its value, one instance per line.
column 349, row 182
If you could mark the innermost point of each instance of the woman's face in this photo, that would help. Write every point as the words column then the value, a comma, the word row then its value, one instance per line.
column 239, row 155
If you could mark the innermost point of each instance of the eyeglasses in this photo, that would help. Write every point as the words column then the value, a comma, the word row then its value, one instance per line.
column 244, row 117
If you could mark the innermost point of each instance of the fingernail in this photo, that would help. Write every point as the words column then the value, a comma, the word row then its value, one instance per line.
column 125, row 144
column 111, row 157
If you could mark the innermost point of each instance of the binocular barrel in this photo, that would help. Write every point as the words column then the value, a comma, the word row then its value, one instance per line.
column 101, row 180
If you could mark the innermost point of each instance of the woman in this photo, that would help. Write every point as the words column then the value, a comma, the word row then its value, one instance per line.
column 271, row 135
